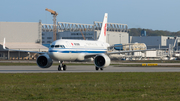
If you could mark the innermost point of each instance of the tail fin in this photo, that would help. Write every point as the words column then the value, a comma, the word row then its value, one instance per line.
column 102, row 36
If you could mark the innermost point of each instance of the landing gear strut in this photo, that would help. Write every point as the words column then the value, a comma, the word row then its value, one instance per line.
column 97, row 68
column 61, row 66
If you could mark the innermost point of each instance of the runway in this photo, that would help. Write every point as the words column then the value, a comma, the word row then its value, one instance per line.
column 82, row 69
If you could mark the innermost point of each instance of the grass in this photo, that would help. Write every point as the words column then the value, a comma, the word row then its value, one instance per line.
column 90, row 86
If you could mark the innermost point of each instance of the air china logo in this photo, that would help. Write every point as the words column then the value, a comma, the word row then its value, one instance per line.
column 72, row 44
column 105, row 29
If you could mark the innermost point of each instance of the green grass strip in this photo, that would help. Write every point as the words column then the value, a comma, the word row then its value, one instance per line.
column 90, row 86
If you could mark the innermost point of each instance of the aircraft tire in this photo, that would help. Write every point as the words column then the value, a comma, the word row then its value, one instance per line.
column 59, row 68
column 101, row 68
column 96, row 68
column 64, row 67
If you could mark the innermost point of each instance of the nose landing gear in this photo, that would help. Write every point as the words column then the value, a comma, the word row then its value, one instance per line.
column 62, row 66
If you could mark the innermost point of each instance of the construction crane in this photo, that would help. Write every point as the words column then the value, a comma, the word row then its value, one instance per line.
column 83, row 34
column 54, row 22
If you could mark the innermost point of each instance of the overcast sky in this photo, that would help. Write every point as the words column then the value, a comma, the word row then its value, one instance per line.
column 151, row 14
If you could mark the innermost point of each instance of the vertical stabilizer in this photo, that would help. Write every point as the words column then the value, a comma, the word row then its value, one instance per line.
column 102, row 36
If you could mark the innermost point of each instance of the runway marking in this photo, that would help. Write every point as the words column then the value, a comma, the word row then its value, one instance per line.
column 150, row 64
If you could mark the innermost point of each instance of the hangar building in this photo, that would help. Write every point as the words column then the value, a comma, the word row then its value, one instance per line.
column 20, row 36
column 155, row 41
column 116, row 33
column 34, row 36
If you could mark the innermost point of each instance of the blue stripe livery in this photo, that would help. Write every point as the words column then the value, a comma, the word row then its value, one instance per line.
column 77, row 51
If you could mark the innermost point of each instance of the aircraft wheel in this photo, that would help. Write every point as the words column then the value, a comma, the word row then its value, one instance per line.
column 64, row 67
column 96, row 68
column 59, row 68
column 101, row 68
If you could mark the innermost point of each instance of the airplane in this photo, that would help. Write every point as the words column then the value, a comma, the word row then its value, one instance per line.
column 71, row 50
column 77, row 50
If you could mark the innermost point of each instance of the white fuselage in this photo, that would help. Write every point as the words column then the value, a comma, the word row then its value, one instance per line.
column 71, row 50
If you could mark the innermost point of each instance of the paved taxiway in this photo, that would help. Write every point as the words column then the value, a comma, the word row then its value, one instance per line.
column 82, row 68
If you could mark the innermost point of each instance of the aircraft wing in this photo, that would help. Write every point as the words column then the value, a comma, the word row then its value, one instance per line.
column 25, row 51
column 118, row 52
column 130, row 51
column 4, row 47
column 90, row 55
column 121, row 45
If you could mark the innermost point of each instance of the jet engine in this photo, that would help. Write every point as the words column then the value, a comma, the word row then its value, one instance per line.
column 102, row 60
column 44, row 61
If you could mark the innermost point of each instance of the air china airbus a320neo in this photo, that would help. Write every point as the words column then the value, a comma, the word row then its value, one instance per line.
column 76, row 50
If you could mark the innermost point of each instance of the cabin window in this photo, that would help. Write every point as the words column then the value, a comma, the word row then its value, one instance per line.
column 77, row 44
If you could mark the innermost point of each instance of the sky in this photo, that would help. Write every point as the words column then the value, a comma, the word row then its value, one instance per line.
column 148, row 14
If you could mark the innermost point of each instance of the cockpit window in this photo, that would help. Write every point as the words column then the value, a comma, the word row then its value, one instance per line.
column 52, row 46
column 57, row 46
column 61, row 46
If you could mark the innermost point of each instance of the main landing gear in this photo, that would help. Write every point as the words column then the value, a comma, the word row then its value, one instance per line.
column 97, row 68
column 61, row 66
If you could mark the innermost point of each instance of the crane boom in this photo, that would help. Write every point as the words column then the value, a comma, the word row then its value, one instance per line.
column 51, row 11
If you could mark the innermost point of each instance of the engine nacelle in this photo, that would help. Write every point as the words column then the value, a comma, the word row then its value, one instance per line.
column 102, row 60
column 44, row 61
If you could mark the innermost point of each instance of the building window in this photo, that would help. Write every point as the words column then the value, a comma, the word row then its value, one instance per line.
column 49, row 37
column 1, row 54
column 49, row 42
